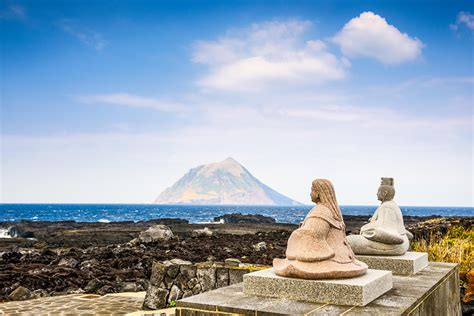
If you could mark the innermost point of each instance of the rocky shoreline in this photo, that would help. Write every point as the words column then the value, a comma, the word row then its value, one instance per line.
column 55, row 258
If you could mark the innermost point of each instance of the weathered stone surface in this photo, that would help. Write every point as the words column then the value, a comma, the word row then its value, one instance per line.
column 175, row 294
column 187, row 293
column 168, row 282
column 173, row 269
column 156, row 233
column 319, row 248
column 260, row 246
column 158, row 273
column 180, row 262
column 39, row 293
column 406, row 264
column 93, row 285
column 236, row 275
column 155, row 298
column 76, row 291
column 232, row 262
column 130, row 287
column 192, row 283
column 182, row 282
column 20, row 293
column 351, row 291
column 222, row 277
column 205, row 232
column 385, row 234
column 68, row 262
column 207, row 278
column 188, row 271
column 433, row 291
column 197, row 289
column 191, row 278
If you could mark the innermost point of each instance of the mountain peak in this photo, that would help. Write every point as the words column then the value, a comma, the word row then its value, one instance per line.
column 230, row 160
column 223, row 182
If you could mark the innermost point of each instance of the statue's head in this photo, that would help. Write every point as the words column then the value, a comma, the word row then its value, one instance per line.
column 323, row 192
column 386, row 190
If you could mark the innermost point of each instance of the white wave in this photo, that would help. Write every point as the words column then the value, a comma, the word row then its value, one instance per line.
column 221, row 221
column 7, row 232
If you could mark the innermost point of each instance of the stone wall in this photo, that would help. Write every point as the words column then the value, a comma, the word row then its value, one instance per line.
column 442, row 299
column 175, row 279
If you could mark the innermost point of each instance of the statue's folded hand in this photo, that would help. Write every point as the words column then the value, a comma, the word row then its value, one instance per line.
column 383, row 236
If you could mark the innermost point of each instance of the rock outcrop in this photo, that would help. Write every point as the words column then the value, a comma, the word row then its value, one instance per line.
column 238, row 218
column 156, row 233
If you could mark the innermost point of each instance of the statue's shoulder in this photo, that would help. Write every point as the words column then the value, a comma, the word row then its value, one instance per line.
column 390, row 205
column 323, row 212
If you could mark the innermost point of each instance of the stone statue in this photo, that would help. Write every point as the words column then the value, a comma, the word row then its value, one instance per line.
column 319, row 249
column 385, row 234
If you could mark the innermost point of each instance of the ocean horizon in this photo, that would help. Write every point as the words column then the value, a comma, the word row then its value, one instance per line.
column 12, row 212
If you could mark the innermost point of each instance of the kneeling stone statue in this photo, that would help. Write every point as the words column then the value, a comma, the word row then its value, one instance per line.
column 319, row 248
column 385, row 234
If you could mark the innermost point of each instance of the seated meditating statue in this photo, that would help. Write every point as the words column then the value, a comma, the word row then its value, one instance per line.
column 385, row 234
column 319, row 249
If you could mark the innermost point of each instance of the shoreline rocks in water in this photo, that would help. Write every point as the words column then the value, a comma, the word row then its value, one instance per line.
column 238, row 218
column 71, row 257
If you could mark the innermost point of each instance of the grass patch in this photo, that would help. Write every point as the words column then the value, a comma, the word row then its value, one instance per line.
column 456, row 246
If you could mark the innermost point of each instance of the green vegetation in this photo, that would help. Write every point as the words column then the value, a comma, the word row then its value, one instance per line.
column 251, row 267
column 456, row 246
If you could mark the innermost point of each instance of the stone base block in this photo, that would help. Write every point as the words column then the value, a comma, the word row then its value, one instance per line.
column 357, row 291
column 407, row 264
column 432, row 291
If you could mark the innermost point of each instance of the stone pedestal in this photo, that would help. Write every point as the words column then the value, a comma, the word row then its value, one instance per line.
column 407, row 264
column 353, row 291
column 432, row 291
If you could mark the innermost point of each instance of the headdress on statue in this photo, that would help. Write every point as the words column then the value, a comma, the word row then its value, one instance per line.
column 387, row 181
column 386, row 189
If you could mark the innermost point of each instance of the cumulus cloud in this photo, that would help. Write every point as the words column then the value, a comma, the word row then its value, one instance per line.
column 369, row 35
column 131, row 100
column 463, row 18
column 266, row 53
column 85, row 35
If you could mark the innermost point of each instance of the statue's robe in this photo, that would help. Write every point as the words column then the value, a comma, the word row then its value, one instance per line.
column 319, row 249
column 385, row 234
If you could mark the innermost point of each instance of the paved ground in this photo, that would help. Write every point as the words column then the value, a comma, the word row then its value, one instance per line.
column 82, row 304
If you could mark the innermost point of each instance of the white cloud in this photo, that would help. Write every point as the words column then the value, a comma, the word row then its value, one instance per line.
column 300, row 142
column 269, row 53
column 85, row 35
column 465, row 18
column 135, row 101
column 369, row 35
column 13, row 11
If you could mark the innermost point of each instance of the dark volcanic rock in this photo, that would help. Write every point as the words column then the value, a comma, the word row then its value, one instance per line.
column 238, row 218
column 170, row 221
column 70, row 256
column 20, row 293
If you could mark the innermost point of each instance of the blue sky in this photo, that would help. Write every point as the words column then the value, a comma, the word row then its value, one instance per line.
column 112, row 101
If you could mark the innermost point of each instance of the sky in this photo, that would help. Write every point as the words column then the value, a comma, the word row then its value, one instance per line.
column 113, row 101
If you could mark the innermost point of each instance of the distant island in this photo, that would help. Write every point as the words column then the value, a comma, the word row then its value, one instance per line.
column 226, row 182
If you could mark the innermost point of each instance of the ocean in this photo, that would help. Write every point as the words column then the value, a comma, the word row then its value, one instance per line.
column 193, row 213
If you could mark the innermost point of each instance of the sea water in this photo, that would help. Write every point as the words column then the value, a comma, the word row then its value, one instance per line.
column 193, row 213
